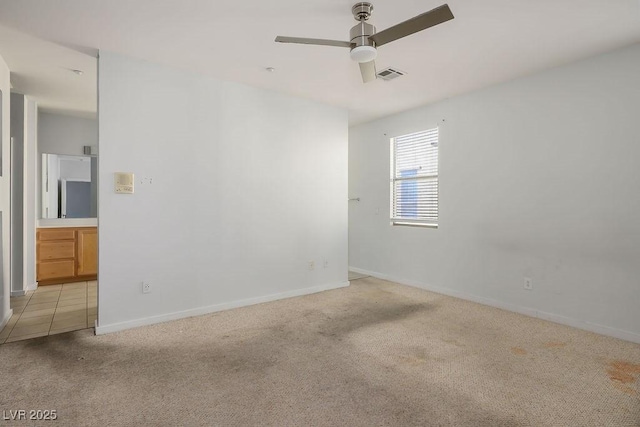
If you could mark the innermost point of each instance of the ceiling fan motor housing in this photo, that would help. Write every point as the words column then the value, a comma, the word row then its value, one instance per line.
column 362, row 11
column 364, row 49
column 360, row 32
column 364, row 40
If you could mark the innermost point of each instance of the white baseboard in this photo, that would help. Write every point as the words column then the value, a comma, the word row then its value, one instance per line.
column 6, row 319
column 532, row 312
column 24, row 291
column 114, row 327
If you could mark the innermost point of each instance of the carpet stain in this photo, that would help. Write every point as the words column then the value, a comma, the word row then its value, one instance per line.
column 623, row 372
column 625, row 389
column 518, row 351
column 554, row 344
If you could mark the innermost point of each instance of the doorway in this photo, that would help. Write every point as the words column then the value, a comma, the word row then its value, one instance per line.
column 53, row 245
column 353, row 274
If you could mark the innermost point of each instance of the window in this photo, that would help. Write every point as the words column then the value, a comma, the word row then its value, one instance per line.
column 414, row 179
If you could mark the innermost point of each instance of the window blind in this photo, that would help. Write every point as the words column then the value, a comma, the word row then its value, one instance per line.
column 414, row 178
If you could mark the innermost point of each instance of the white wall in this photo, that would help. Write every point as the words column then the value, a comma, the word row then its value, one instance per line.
column 62, row 134
column 5, row 283
column 75, row 168
column 247, row 187
column 539, row 177
column 23, row 192
column 17, row 130
column 31, row 212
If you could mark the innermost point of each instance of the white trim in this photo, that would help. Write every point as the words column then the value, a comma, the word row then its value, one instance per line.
column 67, row 222
column 23, row 292
column 532, row 312
column 6, row 319
column 407, row 223
column 114, row 327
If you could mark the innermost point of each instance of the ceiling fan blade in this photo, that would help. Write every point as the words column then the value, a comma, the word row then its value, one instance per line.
column 321, row 42
column 421, row 22
column 368, row 71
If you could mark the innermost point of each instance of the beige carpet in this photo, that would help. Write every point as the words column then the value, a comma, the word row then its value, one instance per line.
column 355, row 276
column 375, row 353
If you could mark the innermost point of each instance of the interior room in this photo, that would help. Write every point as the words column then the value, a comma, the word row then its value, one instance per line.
column 320, row 212
column 53, row 174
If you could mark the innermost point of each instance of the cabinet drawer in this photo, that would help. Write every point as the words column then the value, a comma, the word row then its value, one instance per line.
column 56, row 269
column 56, row 250
column 56, row 234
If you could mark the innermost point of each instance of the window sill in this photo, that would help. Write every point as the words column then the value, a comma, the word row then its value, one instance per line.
column 414, row 224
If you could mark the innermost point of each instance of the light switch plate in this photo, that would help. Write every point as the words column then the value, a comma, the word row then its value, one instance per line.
column 124, row 182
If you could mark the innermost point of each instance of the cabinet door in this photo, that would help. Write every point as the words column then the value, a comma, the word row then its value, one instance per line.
column 87, row 252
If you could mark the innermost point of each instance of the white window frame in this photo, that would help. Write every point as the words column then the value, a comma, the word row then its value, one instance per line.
column 411, row 221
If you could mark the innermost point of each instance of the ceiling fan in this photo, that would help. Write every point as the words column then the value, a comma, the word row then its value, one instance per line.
column 364, row 38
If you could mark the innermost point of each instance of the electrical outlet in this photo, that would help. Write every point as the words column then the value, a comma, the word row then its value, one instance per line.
column 312, row 265
column 326, row 264
column 146, row 287
column 528, row 284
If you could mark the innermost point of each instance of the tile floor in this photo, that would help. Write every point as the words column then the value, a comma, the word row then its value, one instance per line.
column 52, row 310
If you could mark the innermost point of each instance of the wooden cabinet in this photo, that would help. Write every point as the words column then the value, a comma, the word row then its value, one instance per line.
column 87, row 241
column 57, row 250
column 56, row 269
column 66, row 254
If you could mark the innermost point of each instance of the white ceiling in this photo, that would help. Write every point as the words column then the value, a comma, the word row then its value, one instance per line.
column 43, row 70
column 488, row 42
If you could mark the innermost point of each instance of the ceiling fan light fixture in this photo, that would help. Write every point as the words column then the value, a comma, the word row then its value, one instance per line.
column 363, row 38
column 364, row 53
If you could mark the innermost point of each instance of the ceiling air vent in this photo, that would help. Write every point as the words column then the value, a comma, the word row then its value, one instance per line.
column 390, row 74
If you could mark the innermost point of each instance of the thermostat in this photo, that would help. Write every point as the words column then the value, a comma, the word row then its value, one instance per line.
column 124, row 182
